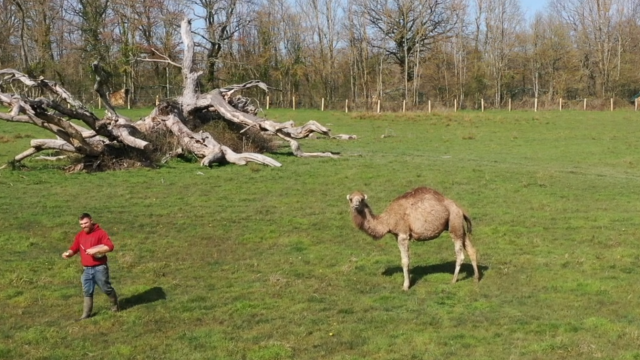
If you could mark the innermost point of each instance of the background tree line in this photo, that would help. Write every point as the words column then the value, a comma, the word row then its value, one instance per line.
column 361, row 50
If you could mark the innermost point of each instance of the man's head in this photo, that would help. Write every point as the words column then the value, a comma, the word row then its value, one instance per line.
column 86, row 223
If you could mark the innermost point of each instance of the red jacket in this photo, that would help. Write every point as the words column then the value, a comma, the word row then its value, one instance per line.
column 84, row 241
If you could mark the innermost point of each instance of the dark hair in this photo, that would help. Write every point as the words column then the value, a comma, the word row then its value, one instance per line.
column 85, row 216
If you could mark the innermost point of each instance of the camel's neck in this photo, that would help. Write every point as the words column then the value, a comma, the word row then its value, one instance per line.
column 371, row 224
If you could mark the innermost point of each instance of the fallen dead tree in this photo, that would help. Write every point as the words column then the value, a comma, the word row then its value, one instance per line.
column 116, row 139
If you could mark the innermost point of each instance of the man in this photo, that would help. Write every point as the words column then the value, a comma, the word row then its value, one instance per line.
column 93, row 243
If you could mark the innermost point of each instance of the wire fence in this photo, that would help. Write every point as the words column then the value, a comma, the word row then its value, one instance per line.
column 533, row 104
column 152, row 95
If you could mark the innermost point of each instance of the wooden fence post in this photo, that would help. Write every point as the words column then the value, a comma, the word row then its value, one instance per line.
column 509, row 104
column 293, row 101
column 455, row 105
column 99, row 103
column 267, row 102
column 482, row 104
column 404, row 105
column 346, row 105
column 322, row 106
column 429, row 106
column 378, row 106
column 585, row 104
column 611, row 104
column 535, row 105
column 560, row 104
column 157, row 100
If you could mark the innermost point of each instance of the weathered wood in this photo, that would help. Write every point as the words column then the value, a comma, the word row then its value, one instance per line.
column 242, row 159
column 344, row 137
column 58, row 107
column 38, row 145
column 305, row 130
column 51, row 86
column 204, row 146
column 189, row 77
column 100, row 88
column 51, row 158
column 34, row 112
column 299, row 153
column 286, row 130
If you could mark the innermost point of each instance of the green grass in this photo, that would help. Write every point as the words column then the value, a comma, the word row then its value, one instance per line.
column 263, row 263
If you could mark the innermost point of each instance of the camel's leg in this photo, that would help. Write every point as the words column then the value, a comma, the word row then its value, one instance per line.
column 471, row 251
column 403, row 245
column 458, row 245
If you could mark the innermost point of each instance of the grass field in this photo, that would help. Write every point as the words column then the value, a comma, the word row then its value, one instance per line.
column 263, row 263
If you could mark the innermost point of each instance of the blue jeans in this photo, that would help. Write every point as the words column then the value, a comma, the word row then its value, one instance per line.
column 93, row 275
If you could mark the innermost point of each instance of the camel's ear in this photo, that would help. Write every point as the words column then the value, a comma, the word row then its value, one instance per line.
column 349, row 197
column 365, row 196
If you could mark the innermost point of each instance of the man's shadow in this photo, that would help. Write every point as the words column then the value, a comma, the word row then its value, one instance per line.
column 418, row 272
column 148, row 296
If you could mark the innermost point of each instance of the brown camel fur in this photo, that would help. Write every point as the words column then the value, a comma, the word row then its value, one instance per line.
column 119, row 98
column 420, row 214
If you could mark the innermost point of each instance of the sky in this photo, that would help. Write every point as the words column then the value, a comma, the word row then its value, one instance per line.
column 530, row 7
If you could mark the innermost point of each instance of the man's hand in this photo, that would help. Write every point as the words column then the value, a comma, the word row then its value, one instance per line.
column 98, row 251
column 67, row 254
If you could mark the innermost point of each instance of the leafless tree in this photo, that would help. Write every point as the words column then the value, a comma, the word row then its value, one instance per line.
column 89, row 17
column 552, row 53
column 9, row 42
column 222, row 19
column 323, row 20
column 146, row 31
column 355, row 49
column 403, row 27
column 501, row 20
column 597, row 34
column 361, row 60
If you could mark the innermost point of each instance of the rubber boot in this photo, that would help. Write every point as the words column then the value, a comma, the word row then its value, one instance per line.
column 114, row 302
column 87, row 308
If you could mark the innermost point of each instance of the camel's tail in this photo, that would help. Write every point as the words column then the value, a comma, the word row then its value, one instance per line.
column 467, row 220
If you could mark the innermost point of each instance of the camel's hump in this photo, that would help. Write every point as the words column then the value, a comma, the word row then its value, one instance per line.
column 420, row 192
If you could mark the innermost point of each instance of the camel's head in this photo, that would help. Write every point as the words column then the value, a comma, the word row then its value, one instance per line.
column 357, row 200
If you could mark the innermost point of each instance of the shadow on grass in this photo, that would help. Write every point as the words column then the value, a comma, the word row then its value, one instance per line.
column 418, row 272
column 291, row 154
column 148, row 296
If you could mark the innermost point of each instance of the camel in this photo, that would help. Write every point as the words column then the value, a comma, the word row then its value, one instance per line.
column 420, row 214
column 119, row 98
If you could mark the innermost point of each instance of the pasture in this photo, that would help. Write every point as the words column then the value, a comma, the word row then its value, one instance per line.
column 263, row 263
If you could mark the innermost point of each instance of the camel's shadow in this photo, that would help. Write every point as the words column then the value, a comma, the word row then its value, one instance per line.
column 148, row 296
column 418, row 272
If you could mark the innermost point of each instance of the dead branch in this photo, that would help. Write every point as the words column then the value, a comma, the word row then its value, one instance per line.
column 102, row 138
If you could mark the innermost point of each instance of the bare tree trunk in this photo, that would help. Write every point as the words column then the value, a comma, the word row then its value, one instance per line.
column 105, row 136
